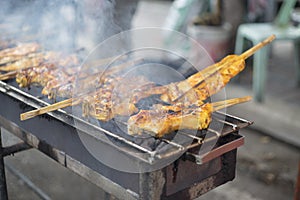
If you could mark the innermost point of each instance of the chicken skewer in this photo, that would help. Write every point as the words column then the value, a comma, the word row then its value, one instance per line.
column 8, row 75
column 35, row 60
column 20, row 50
column 23, row 63
column 35, row 64
column 160, row 122
column 13, row 58
column 230, row 66
column 92, row 95
column 103, row 102
column 211, row 85
column 217, row 81
column 83, row 81
column 47, row 71
column 55, row 74
column 114, row 99
column 9, row 59
column 227, row 68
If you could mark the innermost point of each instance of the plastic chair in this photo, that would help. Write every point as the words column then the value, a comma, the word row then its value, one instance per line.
column 256, row 32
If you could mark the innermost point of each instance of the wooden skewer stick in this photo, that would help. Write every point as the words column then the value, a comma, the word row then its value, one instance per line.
column 8, row 75
column 209, row 71
column 230, row 102
column 56, row 106
column 260, row 45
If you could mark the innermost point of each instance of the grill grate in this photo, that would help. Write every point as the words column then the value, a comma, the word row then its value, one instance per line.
column 167, row 147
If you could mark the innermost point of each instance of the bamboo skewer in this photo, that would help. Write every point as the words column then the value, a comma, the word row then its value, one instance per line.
column 260, row 45
column 8, row 75
column 20, row 50
column 56, row 106
column 10, row 59
column 196, row 79
column 23, row 63
column 230, row 102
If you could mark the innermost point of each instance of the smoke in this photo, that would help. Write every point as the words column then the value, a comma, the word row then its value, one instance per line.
column 64, row 25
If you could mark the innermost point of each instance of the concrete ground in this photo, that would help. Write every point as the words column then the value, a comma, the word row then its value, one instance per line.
column 266, row 166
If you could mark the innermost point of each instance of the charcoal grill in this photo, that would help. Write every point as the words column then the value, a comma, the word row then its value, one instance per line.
column 57, row 135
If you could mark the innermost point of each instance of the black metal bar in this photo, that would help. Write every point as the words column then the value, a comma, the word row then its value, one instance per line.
column 6, row 151
column 3, row 188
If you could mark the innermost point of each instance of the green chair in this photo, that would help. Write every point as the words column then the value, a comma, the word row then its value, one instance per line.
column 256, row 32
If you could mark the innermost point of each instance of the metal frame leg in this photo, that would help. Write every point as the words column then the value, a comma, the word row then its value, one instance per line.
column 3, row 187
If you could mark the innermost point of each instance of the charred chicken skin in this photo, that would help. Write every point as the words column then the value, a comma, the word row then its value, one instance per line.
column 160, row 121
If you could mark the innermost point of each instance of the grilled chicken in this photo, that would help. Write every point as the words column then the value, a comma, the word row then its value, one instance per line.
column 161, row 121
column 52, row 68
column 207, row 82
column 83, row 80
column 20, row 50
column 113, row 98
column 211, row 85
column 116, row 95
column 31, row 60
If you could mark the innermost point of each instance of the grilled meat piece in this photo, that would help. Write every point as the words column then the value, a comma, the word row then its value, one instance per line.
column 211, row 85
column 32, row 60
column 9, row 59
column 160, row 121
column 208, row 81
column 34, row 75
column 84, row 80
column 113, row 98
column 20, row 50
column 54, row 68
column 23, row 64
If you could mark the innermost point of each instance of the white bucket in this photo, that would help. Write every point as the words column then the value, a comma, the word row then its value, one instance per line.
column 215, row 39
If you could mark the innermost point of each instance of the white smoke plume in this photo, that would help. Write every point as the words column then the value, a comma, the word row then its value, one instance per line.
column 65, row 25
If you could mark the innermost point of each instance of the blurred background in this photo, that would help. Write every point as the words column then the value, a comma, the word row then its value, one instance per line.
column 267, row 164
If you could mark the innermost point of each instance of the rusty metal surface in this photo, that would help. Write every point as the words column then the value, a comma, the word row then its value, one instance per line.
column 218, row 151
column 188, row 173
column 227, row 173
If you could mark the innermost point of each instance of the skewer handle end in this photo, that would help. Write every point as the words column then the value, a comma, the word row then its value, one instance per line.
column 29, row 115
